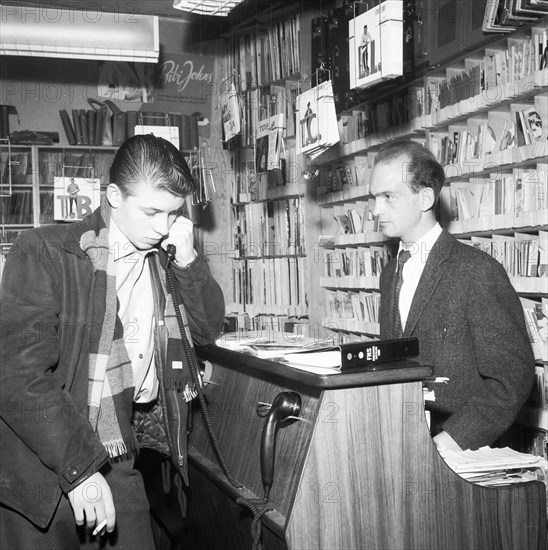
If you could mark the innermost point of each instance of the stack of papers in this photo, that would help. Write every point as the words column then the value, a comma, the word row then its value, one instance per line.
column 310, row 354
column 488, row 466
column 320, row 361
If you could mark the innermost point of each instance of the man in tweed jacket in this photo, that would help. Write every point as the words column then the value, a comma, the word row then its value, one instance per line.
column 92, row 365
column 456, row 299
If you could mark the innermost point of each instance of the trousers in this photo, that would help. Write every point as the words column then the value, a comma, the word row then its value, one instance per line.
column 133, row 529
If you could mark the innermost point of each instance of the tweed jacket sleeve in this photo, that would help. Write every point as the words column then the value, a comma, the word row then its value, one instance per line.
column 495, row 333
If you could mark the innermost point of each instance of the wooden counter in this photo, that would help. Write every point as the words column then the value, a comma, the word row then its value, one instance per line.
column 360, row 471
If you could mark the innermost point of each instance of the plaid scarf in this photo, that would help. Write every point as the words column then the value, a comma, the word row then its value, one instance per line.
column 110, row 374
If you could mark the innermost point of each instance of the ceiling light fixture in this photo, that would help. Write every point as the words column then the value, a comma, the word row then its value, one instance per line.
column 207, row 7
column 73, row 34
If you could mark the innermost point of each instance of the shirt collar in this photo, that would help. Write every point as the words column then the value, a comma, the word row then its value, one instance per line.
column 120, row 246
column 423, row 247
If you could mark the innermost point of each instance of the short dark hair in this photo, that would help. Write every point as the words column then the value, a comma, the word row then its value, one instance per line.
column 422, row 168
column 154, row 161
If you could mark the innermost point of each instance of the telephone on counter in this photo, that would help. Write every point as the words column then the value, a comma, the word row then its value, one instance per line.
column 286, row 406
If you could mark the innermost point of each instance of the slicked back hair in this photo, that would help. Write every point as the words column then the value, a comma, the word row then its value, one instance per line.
column 151, row 160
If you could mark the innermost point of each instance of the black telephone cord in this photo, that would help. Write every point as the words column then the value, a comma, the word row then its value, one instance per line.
column 257, row 507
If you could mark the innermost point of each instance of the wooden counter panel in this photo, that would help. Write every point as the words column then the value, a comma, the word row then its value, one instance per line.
column 375, row 481
column 215, row 521
column 232, row 401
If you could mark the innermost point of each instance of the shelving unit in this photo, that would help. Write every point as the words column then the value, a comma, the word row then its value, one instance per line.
column 511, row 222
column 27, row 199
column 270, row 210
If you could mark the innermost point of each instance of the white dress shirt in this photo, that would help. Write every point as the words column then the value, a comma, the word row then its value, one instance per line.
column 413, row 268
column 134, row 291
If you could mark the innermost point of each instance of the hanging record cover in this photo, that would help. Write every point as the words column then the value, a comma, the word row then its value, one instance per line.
column 75, row 197
column 317, row 127
column 376, row 44
column 230, row 109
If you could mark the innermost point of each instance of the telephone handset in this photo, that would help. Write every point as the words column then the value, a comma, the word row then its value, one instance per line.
column 286, row 406
column 171, row 250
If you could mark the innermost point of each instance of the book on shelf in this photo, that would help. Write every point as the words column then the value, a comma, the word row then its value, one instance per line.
column 513, row 192
column 540, row 47
column 343, row 222
column 339, row 305
column 270, row 53
column 491, row 21
column 84, row 129
column 272, row 285
column 14, row 169
column 536, row 320
column 521, row 254
column 542, row 254
column 77, row 126
column 47, row 202
column 16, row 208
column 67, row 126
column 531, row 123
column 91, row 125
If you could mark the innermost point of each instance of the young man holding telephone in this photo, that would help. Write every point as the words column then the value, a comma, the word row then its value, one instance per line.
column 92, row 363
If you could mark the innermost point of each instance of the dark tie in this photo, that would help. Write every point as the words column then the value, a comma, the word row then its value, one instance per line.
column 403, row 256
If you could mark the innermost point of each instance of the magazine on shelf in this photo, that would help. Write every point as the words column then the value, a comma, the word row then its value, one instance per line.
column 269, row 144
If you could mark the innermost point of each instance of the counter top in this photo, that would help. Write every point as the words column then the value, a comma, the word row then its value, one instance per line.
column 374, row 374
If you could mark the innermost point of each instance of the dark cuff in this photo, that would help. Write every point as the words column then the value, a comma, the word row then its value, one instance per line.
column 74, row 475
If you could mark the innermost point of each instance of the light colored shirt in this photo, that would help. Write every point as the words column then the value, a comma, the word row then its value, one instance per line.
column 134, row 291
column 413, row 268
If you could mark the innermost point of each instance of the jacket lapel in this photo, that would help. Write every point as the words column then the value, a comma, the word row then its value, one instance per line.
column 387, row 300
column 430, row 278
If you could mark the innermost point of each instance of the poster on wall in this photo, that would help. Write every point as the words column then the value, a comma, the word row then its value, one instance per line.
column 184, row 84
column 180, row 83
column 375, row 42
column 75, row 197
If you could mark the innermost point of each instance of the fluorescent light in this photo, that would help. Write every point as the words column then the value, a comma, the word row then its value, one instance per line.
column 73, row 34
column 206, row 7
